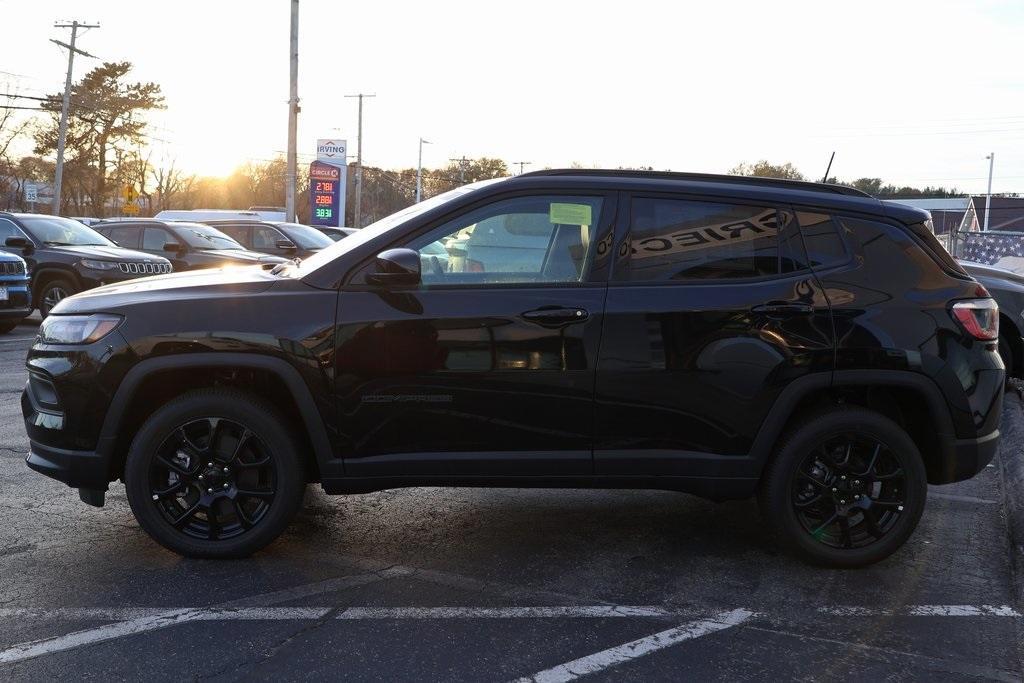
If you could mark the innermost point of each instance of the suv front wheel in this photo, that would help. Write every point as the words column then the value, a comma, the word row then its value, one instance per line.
column 51, row 294
column 846, row 488
column 214, row 473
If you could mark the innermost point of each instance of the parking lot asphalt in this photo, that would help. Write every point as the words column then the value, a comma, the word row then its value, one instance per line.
column 503, row 584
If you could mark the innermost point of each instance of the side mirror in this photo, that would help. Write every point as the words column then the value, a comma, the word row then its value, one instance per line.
column 396, row 267
column 19, row 243
column 173, row 246
column 284, row 244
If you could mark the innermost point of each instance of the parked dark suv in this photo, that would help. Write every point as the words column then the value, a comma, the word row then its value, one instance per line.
column 722, row 336
column 64, row 256
column 277, row 238
column 188, row 246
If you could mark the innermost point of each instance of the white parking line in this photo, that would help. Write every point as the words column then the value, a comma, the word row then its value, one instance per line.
column 165, row 618
column 924, row 611
column 637, row 648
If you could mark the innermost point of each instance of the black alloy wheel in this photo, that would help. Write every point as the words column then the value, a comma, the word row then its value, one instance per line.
column 845, row 488
column 848, row 492
column 213, row 478
column 215, row 473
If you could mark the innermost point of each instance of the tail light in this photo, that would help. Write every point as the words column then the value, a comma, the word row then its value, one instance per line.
column 979, row 317
column 474, row 266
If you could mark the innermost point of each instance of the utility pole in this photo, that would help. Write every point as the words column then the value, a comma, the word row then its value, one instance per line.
column 359, row 163
column 988, row 197
column 293, row 115
column 62, row 134
column 463, row 165
column 521, row 164
column 419, row 171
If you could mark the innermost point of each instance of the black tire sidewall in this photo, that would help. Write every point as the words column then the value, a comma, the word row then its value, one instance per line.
column 66, row 285
column 776, row 493
column 8, row 325
column 261, row 419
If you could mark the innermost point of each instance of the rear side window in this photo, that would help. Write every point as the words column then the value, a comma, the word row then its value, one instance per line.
column 924, row 232
column 677, row 239
column 825, row 247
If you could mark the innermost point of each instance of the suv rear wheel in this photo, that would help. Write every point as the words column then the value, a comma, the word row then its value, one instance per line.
column 846, row 488
column 214, row 473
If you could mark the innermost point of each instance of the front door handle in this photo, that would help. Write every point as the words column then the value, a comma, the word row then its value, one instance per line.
column 556, row 316
column 783, row 308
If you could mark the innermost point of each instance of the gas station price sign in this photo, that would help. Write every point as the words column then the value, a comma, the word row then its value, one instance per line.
column 325, row 194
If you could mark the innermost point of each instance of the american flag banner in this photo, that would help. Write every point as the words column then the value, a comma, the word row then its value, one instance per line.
column 988, row 248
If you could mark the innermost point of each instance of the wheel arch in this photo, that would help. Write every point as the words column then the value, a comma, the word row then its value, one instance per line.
column 112, row 443
column 41, row 276
column 912, row 400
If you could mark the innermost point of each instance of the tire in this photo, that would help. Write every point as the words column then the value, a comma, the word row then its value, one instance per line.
column 216, row 453
column 52, row 292
column 8, row 325
column 879, row 493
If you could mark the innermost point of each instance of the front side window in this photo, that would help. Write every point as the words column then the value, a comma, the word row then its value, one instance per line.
column 124, row 236
column 523, row 240
column 265, row 238
column 676, row 239
column 239, row 233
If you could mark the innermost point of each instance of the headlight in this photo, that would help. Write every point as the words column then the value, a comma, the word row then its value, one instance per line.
column 76, row 329
column 100, row 265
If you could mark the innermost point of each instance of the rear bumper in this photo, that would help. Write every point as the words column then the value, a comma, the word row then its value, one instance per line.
column 970, row 456
column 77, row 469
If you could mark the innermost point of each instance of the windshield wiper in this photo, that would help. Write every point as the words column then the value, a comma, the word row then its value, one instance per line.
column 54, row 243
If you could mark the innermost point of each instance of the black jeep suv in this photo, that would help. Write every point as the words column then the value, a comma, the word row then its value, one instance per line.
column 65, row 257
column 722, row 336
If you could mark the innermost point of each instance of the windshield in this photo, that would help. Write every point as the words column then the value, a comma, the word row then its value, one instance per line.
column 55, row 231
column 374, row 230
column 204, row 237
column 304, row 236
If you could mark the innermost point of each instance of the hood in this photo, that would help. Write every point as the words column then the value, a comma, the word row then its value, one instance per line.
column 192, row 284
column 243, row 256
column 981, row 270
column 108, row 253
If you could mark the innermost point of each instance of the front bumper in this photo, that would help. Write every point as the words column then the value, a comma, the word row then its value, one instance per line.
column 77, row 469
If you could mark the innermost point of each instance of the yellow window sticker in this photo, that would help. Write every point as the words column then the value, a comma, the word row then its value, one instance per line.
column 571, row 214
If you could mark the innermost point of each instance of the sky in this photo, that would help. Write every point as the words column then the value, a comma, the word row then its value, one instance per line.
column 916, row 93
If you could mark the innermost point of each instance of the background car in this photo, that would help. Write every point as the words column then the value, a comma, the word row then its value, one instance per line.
column 287, row 240
column 15, row 299
column 65, row 257
column 335, row 234
column 1007, row 288
column 188, row 246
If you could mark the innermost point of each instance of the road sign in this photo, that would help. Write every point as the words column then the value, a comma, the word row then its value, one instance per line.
column 129, row 193
column 31, row 193
column 130, row 209
column 327, row 194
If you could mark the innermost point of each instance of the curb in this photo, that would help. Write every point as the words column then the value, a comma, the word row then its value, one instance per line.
column 1011, row 466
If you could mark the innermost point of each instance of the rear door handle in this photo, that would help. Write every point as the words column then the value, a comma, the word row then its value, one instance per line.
column 783, row 308
column 556, row 316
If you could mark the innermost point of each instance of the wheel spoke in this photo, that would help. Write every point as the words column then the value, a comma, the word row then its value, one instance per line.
column 189, row 444
column 170, row 490
column 246, row 435
column 844, row 528
column 827, row 522
column 809, row 503
column 262, row 494
column 886, row 503
column 179, row 521
column 872, row 523
column 212, row 523
column 243, row 519
column 174, row 467
column 241, row 464
column 891, row 475
column 816, row 482
column 871, row 465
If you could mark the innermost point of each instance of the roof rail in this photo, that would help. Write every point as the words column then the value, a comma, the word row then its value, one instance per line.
column 702, row 177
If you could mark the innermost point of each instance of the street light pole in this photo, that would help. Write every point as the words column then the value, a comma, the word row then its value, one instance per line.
column 62, row 134
column 988, row 197
column 419, row 171
column 293, row 115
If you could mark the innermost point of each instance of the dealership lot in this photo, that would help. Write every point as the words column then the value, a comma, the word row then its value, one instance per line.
column 496, row 585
